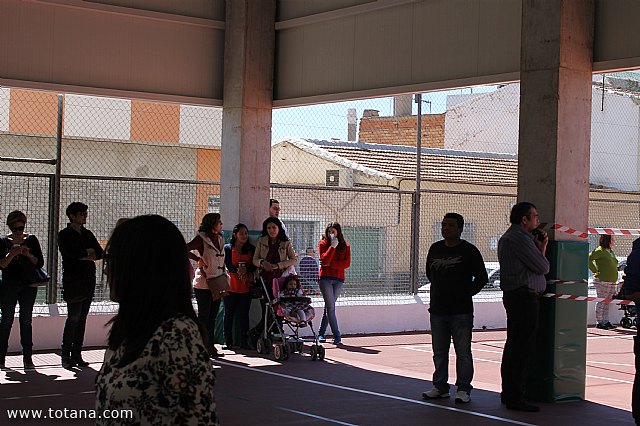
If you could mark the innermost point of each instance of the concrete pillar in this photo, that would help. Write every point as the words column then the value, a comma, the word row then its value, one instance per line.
column 249, row 48
column 553, row 173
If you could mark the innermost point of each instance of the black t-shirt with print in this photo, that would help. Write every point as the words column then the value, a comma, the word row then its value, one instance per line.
column 456, row 274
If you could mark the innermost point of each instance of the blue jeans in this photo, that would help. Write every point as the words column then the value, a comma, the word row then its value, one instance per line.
column 330, row 289
column 9, row 297
column 443, row 329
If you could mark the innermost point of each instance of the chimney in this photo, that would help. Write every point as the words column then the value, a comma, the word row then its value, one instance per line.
column 402, row 105
column 368, row 113
column 351, row 127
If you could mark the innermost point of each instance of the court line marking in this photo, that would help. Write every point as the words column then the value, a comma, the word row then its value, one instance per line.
column 378, row 394
column 326, row 419
column 452, row 354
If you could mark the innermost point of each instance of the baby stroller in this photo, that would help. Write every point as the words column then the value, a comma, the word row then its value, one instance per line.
column 629, row 312
column 285, row 342
column 630, row 318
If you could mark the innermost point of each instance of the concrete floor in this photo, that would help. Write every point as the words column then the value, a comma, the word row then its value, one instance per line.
column 369, row 380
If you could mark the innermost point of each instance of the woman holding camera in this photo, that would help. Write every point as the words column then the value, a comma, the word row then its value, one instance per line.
column 238, row 256
column 335, row 257
column 18, row 252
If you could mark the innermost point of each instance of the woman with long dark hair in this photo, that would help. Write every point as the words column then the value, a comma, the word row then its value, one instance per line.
column 604, row 265
column 274, row 255
column 335, row 257
column 209, row 243
column 156, row 364
column 18, row 251
column 274, row 252
column 239, row 260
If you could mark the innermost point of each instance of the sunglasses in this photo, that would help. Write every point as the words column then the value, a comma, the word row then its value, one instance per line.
column 17, row 228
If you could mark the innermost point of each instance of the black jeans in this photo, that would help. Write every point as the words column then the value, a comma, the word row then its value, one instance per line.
column 207, row 313
column 236, row 305
column 522, row 306
column 26, row 298
column 73, row 334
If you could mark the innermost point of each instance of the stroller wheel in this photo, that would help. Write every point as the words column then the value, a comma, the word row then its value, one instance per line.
column 261, row 346
column 314, row 353
column 320, row 353
column 635, row 322
column 626, row 322
column 281, row 352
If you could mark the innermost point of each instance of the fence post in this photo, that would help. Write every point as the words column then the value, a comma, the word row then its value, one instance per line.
column 415, row 216
column 54, row 211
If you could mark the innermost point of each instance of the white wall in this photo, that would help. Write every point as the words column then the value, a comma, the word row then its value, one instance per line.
column 4, row 109
column 200, row 125
column 489, row 123
column 614, row 141
column 485, row 123
column 356, row 317
column 97, row 117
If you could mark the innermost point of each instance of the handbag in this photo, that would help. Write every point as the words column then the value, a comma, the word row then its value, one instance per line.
column 33, row 276
column 219, row 286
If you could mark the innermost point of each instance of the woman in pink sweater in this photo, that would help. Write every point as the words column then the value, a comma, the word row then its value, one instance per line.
column 335, row 257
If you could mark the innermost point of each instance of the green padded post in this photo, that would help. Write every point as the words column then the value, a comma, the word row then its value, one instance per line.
column 558, row 366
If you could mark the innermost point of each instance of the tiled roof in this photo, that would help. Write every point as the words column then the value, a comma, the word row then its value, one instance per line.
column 437, row 164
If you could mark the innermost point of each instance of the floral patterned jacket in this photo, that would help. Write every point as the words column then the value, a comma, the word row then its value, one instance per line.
column 171, row 383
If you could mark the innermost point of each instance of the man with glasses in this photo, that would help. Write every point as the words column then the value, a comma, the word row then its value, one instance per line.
column 79, row 249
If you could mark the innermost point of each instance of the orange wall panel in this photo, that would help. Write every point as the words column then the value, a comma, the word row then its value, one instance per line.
column 155, row 122
column 208, row 164
column 33, row 111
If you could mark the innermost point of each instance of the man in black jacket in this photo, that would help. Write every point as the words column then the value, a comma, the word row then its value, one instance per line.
column 79, row 249
column 456, row 270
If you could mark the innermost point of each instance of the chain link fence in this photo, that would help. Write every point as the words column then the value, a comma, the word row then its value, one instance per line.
column 351, row 162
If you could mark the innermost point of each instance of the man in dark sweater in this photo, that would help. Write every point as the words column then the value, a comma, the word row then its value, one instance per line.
column 79, row 249
column 456, row 270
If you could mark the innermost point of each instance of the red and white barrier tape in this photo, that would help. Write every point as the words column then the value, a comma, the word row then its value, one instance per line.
column 595, row 231
column 588, row 298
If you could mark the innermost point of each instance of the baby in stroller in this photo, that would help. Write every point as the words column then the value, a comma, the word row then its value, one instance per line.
column 293, row 305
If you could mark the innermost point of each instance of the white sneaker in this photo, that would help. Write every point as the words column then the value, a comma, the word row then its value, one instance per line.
column 435, row 393
column 462, row 397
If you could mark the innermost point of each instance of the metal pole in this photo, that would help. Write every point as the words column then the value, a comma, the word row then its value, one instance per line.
column 54, row 211
column 415, row 228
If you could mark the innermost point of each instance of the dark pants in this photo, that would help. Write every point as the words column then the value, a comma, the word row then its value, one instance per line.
column 73, row 334
column 207, row 313
column 522, row 306
column 236, row 305
column 635, row 394
column 26, row 298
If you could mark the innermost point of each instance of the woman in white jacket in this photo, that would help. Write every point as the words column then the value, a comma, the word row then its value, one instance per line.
column 209, row 244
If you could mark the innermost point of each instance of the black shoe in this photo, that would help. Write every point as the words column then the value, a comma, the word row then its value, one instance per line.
column 213, row 353
column 28, row 362
column 522, row 406
column 67, row 364
column 2, row 361
column 228, row 346
column 78, row 361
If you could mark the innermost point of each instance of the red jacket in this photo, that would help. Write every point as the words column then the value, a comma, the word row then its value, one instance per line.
column 333, row 262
